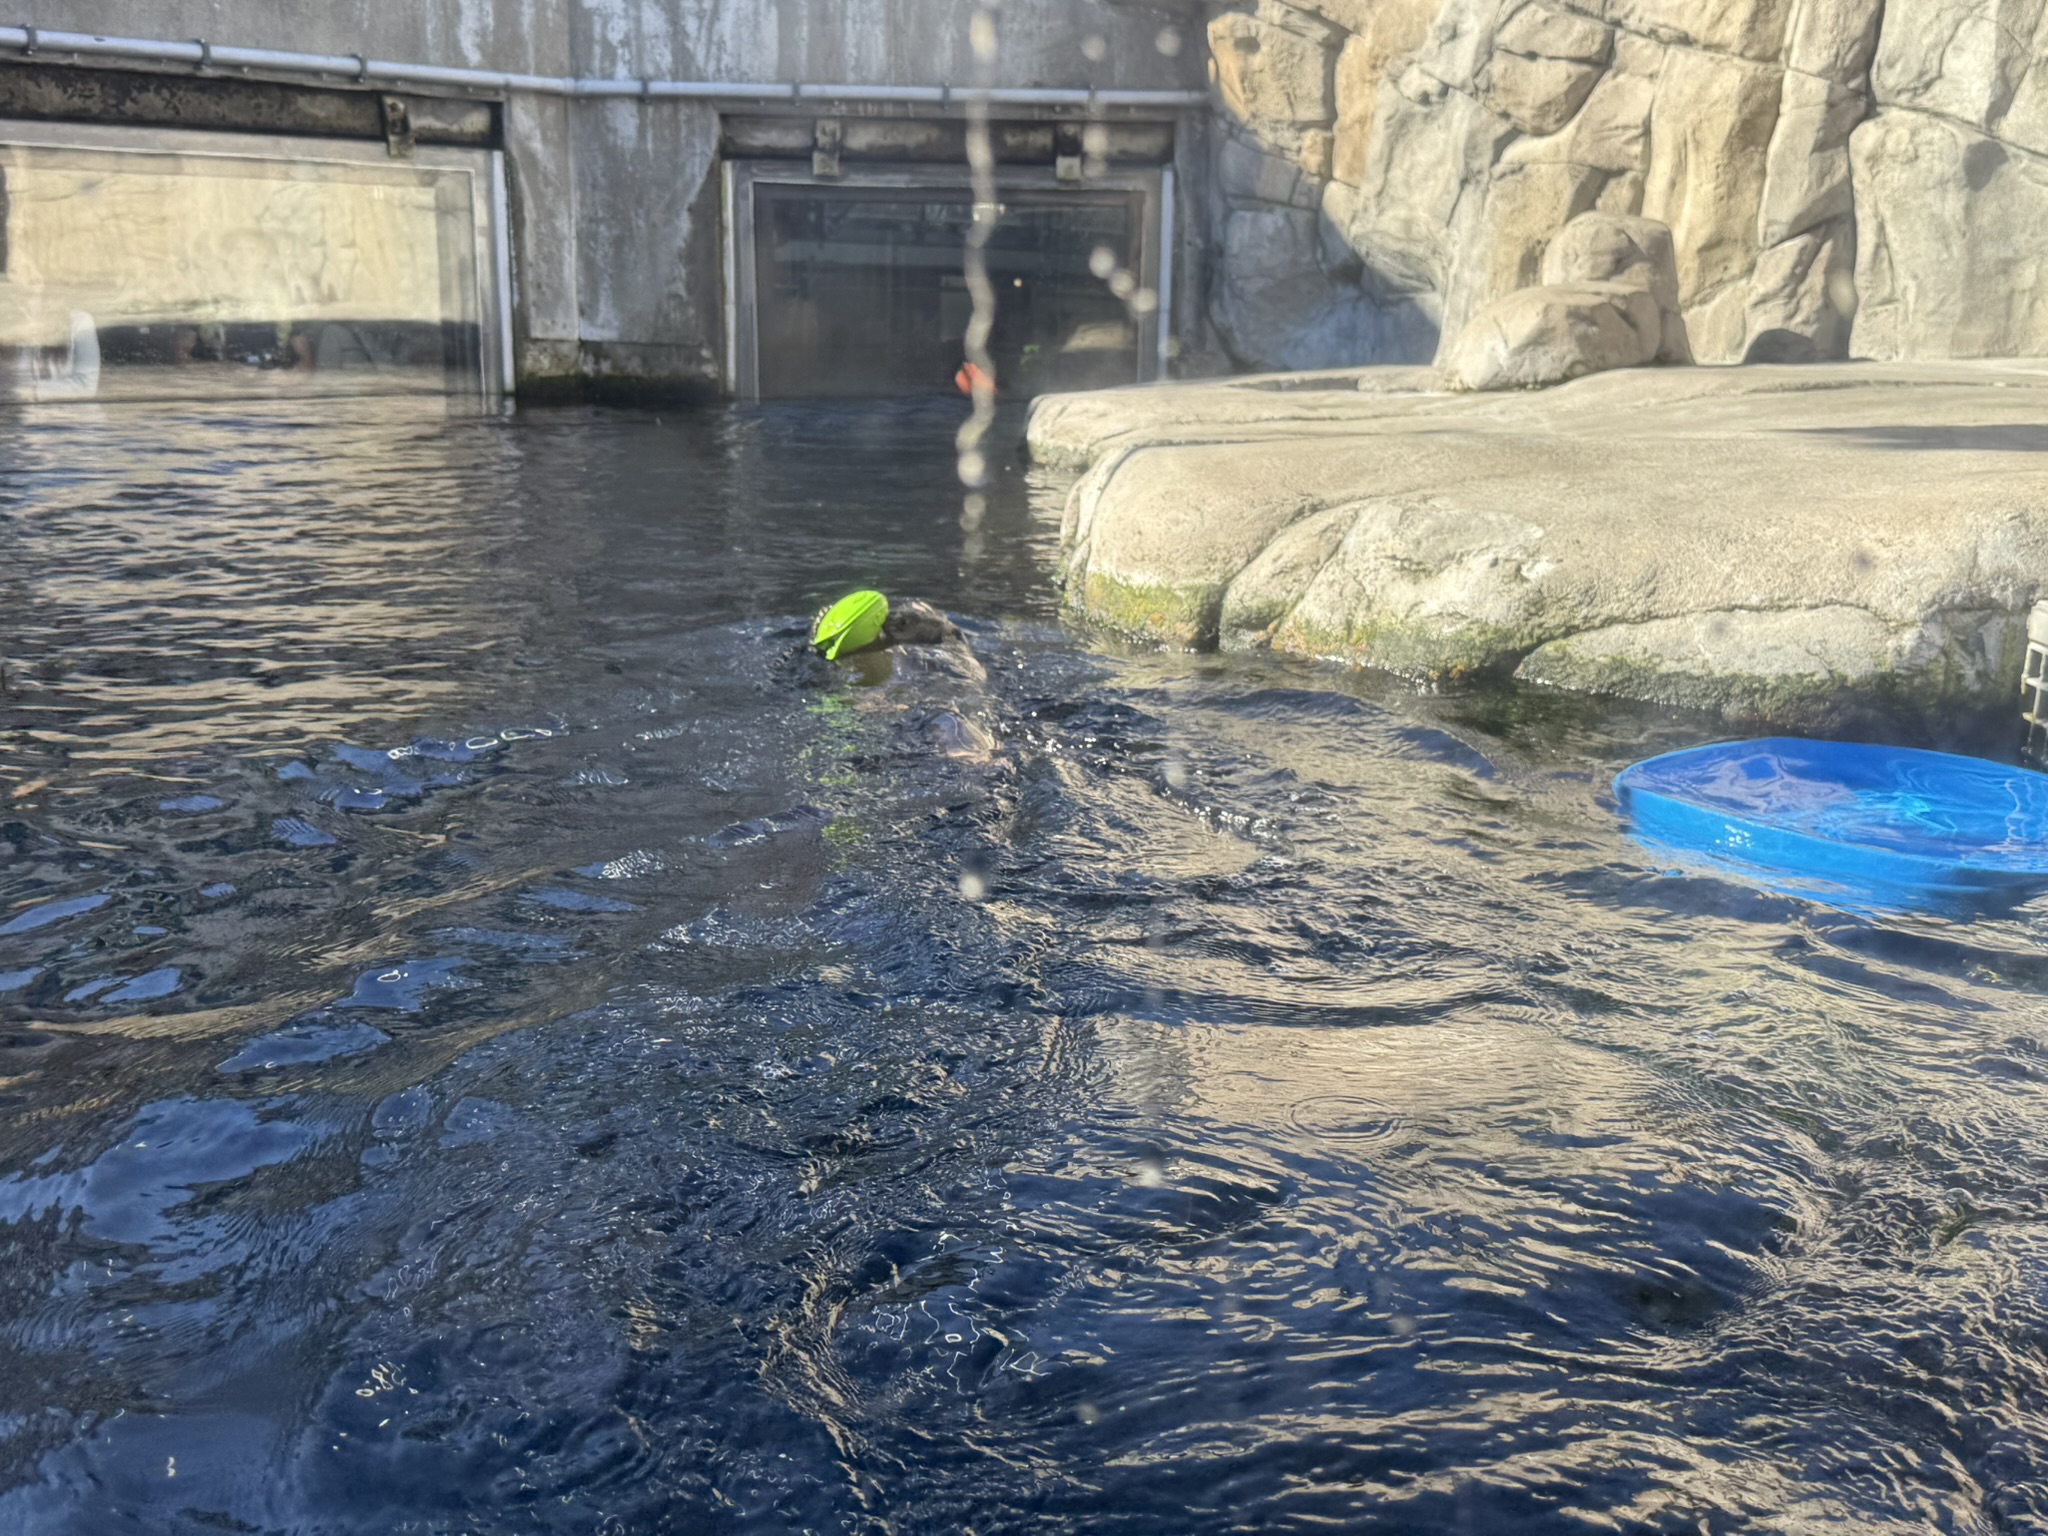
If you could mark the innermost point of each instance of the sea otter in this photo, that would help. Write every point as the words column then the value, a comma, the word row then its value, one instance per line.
column 919, row 662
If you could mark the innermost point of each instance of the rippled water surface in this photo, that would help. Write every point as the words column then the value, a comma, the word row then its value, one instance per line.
column 496, row 1043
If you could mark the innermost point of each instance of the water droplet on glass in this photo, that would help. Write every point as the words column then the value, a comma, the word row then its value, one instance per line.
column 1168, row 42
column 1102, row 261
column 972, row 886
column 1094, row 48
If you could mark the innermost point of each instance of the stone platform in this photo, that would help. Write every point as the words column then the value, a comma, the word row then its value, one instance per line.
column 1789, row 545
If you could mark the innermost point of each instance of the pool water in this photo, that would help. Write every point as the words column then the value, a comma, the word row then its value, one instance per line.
column 494, row 1041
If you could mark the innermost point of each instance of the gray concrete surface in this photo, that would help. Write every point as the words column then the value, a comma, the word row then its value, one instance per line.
column 616, row 223
column 1786, row 545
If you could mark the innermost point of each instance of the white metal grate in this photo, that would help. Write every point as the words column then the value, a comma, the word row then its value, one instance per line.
column 2034, row 686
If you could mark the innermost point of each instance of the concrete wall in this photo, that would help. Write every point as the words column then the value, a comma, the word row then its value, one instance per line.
column 616, row 221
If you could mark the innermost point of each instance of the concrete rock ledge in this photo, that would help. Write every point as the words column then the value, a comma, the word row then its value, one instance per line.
column 1789, row 545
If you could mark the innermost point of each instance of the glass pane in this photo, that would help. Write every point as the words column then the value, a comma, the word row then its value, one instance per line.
column 140, row 274
column 859, row 291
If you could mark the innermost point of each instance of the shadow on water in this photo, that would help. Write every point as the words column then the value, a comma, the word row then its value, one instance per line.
column 489, row 1045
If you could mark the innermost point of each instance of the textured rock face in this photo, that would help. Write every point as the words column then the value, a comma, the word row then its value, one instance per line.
column 1789, row 545
column 1608, row 299
column 1951, row 188
column 1273, row 69
column 1555, row 332
column 1276, row 306
column 1952, row 242
column 1613, row 248
column 1840, row 177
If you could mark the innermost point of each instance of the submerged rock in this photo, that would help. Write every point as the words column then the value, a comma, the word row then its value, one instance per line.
column 1783, row 544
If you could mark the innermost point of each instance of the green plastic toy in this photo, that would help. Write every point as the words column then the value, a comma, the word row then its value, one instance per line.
column 850, row 624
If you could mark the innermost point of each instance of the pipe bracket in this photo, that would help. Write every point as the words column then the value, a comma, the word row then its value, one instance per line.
column 398, row 136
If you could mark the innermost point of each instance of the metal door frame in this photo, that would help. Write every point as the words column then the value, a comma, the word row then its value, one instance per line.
column 1154, row 186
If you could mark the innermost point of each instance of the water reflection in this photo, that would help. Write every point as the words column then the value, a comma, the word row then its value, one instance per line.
column 494, row 1044
column 150, row 621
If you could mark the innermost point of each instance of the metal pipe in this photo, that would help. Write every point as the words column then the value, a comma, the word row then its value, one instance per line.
column 1164, row 289
column 202, row 55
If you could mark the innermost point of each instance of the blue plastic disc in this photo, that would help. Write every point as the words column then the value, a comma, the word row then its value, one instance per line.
column 1849, row 825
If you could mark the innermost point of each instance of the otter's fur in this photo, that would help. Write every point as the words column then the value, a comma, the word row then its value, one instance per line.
column 922, row 665
column 916, row 623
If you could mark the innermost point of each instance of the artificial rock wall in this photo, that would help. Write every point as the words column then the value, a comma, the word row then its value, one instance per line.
column 1840, row 177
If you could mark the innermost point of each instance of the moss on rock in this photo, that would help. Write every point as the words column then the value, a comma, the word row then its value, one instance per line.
column 1183, row 617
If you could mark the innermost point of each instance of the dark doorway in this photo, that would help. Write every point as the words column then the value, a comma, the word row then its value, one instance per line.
column 860, row 289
